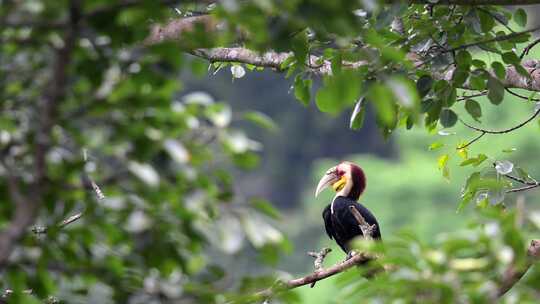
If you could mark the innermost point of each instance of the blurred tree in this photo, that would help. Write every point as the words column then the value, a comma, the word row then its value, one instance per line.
column 119, row 193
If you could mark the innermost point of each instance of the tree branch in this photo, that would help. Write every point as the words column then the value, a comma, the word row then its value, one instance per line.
column 365, row 227
column 514, row 273
column 27, row 207
column 319, row 259
column 315, row 276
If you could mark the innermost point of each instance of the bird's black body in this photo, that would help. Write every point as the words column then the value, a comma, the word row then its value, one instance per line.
column 342, row 226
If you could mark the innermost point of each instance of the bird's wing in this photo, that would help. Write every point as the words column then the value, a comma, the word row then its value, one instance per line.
column 328, row 221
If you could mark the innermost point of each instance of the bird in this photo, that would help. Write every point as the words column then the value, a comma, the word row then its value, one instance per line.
column 349, row 182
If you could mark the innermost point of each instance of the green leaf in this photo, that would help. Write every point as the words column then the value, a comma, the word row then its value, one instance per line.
column 479, row 159
column 302, row 89
column 357, row 117
column 261, row 120
column 339, row 91
column 448, row 118
column 510, row 58
column 383, row 100
column 469, row 190
column 477, row 80
column 473, row 108
column 442, row 164
column 424, row 84
column 486, row 21
column 499, row 70
column 436, row 145
column 475, row 161
column 460, row 76
column 463, row 59
column 287, row 62
column 520, row 17
column 495, row 90
column 300, row 46
column 265, row 207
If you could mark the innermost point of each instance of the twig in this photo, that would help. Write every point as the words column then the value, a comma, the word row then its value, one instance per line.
column 528, row 48
column 521, row 96
column 73, row 218
column 519, row 180
column 472, row 141
column 315, row 276
column 528, row 184
column 524, row 188
column 496, row 39
column 464, row 97
column 505, row 130
column 319, row 259
column 367, row 229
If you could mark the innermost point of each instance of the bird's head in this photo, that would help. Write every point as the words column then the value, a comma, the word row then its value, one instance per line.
column 346, row 178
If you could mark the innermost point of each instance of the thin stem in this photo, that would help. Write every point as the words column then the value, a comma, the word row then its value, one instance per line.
column 524, row 188
column 496, row 39
column 472, row 141
column 528, row 48
column 519, row 180
column 471, row 96
column 521, row 96
column 505, row 130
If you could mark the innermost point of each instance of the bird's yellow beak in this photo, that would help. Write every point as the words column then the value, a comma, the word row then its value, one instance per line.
column 330, row 178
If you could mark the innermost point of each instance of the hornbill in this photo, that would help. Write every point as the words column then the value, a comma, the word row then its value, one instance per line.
column 349, row 181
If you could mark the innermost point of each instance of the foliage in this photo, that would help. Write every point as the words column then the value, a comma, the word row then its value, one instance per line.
column 150, row 172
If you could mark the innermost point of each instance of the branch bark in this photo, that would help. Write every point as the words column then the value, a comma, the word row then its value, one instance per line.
column 274, row 60
column 514, row 273
column 316, row 276
column 271, row 59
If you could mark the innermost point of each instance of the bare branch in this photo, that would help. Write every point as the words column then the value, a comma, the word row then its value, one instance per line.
column 472, row 141
column 365, row 227
column 496, row 39
column 519, row 180
column 528, row 48
column 175, row 28
column 514, row 273
column 315, row 276
column 484, row 131
column 521, row 96
column 524, row 188
column 319, row 259
column 465, row 97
